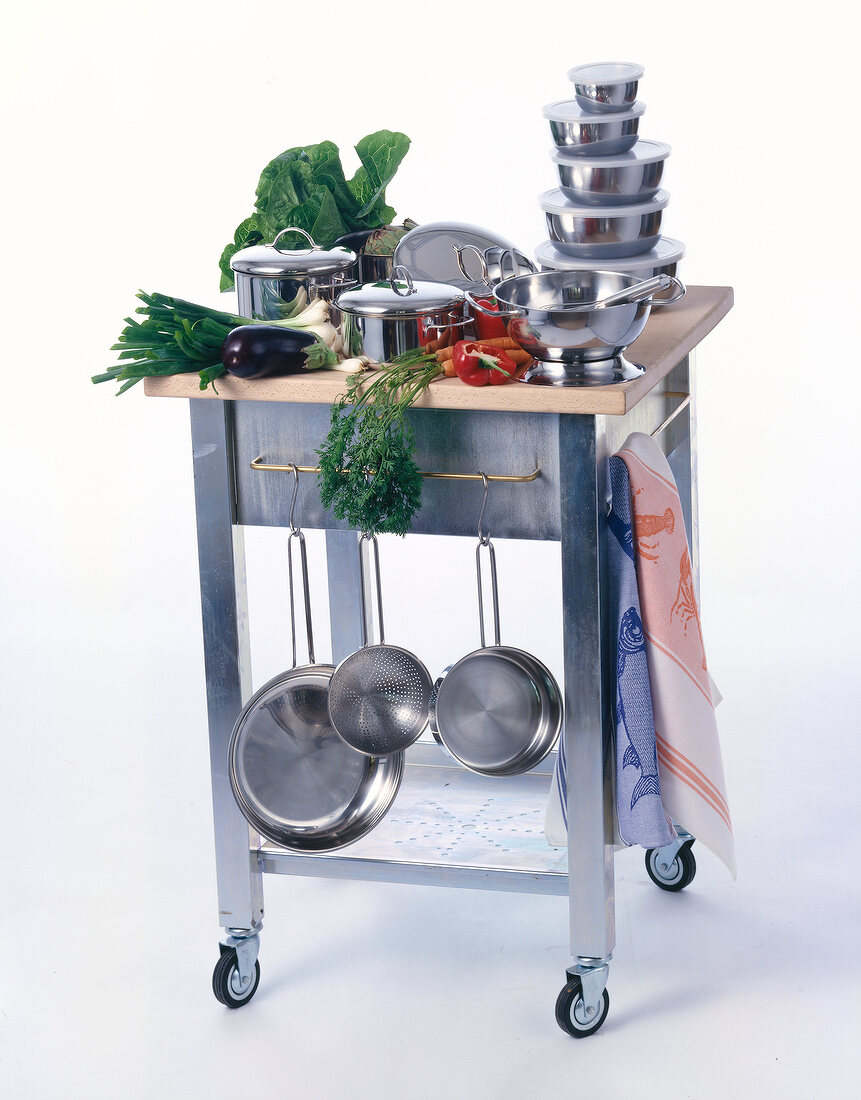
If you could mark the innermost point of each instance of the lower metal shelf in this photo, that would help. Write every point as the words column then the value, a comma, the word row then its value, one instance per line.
column 448, row 827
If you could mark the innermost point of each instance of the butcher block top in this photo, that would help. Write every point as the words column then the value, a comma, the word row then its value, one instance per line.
column 671, row 333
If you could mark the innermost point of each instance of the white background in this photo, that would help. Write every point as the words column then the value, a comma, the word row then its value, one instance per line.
column 134, row 134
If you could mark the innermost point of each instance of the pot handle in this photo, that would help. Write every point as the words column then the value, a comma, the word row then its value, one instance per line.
column 516, row 263
column 404, row 277
column 366, row 536
column 484, row 541
column 295, row 229
column 490, row 312
column 296, row 533
column 644, row 289
column 485, row 274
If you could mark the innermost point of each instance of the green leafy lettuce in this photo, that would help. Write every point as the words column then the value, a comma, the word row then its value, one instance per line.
column 306, row 187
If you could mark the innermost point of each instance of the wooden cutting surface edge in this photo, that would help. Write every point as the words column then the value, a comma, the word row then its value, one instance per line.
column 670, row 334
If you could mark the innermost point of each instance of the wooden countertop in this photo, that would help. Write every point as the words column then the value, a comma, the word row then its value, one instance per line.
column 670, row 334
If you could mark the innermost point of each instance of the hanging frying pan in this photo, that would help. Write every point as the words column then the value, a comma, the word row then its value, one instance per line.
column 498, row 710
column 294, row 779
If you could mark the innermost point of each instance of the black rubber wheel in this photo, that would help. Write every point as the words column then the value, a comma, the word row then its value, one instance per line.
column 681, row 872
column 227, row 985
column 571, row 1011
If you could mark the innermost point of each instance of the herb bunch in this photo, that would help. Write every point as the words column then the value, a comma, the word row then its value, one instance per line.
column 368, row 476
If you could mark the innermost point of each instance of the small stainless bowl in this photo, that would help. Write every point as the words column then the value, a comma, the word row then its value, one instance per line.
column 627, row 178
column 603, row 233
column 606, row 86
column 587, row 133
column 663, row 259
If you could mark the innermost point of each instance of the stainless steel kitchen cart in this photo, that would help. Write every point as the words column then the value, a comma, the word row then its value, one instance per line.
column 449, row 827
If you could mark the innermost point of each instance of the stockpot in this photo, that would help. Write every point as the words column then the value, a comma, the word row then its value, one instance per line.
column 392, row 316
column 271, row 281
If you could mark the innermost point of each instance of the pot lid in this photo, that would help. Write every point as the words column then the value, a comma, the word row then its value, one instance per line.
column 400, row 296
column 666, row 251
column 645, row 151
column 555, row 202
column 273, row 260
column 606, row 72
column 569, row 110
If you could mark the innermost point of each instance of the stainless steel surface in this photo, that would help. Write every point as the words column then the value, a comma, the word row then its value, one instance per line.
column 269, row 278
column 601, row 372
column 447, row 441
column 498, row 710
column 603, row 233
column 606, row 86
column 379, row 696
column 430, row 252
column 227, row 658
column 630, row 177
column 292, row 776
column 549, row 319
column 385, row 319
column 450, row 827
column 663, row 259
column 677, row 411
column 592, row 134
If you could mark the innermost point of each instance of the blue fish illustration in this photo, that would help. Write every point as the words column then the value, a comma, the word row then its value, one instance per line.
column 634, row 705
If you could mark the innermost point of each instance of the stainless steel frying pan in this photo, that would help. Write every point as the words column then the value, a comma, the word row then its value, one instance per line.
column 498, row 710
column 294, row 779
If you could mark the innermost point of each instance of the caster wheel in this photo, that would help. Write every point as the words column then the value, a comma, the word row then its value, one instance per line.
column 227, row 984
column 678, row 875
column 571, row 1011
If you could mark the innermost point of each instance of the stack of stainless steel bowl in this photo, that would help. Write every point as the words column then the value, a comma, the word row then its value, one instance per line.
column 607, row 211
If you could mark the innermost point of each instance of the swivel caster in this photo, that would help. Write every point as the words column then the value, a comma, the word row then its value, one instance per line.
column 673, row 874
column 574, row 1016
column 228, row 984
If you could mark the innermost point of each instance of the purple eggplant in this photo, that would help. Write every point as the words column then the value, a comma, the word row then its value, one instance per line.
column 266, row 351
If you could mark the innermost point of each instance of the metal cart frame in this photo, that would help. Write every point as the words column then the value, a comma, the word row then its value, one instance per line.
column 567, row 503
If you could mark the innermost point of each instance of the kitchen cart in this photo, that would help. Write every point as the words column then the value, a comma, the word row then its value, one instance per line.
column 448, row 826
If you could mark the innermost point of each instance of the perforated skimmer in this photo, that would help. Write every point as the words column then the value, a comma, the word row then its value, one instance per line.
column 379, row 696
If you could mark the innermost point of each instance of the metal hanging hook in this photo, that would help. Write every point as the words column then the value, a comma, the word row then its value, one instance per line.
column 295, row 469
column 483, row 538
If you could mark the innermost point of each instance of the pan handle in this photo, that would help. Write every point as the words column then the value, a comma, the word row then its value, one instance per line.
column 366, row 536
column 490, row 312
column 484, row 541
column 296, row 533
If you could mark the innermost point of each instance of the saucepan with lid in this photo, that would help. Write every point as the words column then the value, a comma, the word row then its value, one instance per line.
column 294, row 779
column 392, row 316
column 273, row 282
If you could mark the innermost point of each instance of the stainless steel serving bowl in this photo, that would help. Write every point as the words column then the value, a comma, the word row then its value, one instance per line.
column 626, row 178
column 587, row 133
column 556, row 315
column 606, row 86
column 596, row 233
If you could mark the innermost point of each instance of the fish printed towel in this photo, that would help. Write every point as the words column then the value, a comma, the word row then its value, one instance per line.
column 690, row 781
column 640, row 812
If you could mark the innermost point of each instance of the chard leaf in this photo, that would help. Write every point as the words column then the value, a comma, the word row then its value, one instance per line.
column 249, row 232
column 381, row 155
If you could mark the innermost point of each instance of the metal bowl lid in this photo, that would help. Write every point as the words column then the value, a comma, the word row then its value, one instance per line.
column 666, row 251
column 556, row 202
column 645, row 151
column 569, row 110
column 272, row 260
column 400, row 296
column 606, row 72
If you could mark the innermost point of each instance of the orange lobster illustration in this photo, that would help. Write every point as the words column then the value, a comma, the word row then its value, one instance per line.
column 647, row 527
column 685, row 605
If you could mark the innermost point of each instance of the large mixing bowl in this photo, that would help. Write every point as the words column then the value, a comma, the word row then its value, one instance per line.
column 603, row 233
column 557, row 317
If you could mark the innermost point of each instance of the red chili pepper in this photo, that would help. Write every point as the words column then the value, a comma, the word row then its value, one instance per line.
column 480, row 364
column 489, row 328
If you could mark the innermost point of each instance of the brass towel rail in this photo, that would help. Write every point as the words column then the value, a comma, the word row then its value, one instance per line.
column 259, row 464
column 683, row 404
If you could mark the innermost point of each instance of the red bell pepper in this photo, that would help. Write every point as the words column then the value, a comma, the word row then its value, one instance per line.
column 480, row 364
column 489, row 328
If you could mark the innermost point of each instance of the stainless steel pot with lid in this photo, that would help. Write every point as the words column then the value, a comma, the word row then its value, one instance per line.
column 392, row 316
column 271, row 281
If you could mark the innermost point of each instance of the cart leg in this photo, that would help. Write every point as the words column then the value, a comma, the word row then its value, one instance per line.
column 344, row 578
column 587, row 729
column 226, row 657
column 681, row 447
